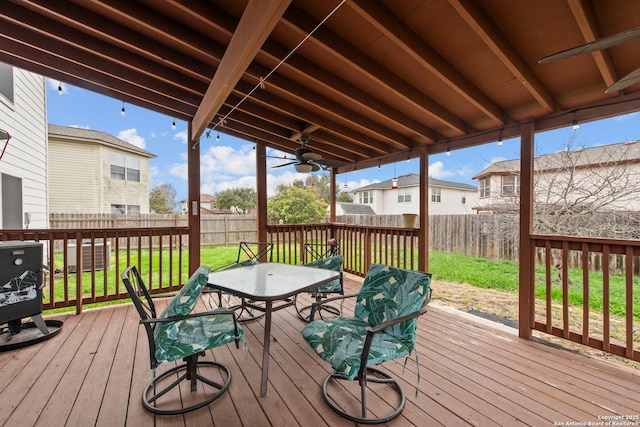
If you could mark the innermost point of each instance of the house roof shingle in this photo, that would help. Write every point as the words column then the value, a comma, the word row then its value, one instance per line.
column 74, row 133
column 582, row 157
column 413, row 180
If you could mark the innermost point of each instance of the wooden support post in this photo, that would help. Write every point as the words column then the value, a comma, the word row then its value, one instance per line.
column 423, row 232
column 193, row 191
column 527, row 251
column 261, row 191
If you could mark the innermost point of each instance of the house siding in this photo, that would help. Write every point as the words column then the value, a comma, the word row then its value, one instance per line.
column 75, row 177
column 26, row 154
column 118, row 192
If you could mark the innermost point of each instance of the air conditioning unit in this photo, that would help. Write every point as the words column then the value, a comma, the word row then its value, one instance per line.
column 101, row 263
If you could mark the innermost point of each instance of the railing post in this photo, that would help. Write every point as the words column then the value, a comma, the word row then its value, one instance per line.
column 79, row 268
column 527, row 265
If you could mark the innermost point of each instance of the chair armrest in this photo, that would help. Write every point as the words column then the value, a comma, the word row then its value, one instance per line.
column 381, row 327
column 315, row 305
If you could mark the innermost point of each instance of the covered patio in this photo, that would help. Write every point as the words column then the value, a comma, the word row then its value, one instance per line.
column 472, row 372
column 367, row 83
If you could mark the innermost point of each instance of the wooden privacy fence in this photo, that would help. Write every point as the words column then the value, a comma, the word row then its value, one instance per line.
column 215, row 230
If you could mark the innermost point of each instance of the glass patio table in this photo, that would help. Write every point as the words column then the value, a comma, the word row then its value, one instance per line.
column 269, row 282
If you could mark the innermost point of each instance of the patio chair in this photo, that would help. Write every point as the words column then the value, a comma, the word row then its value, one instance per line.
column 179, row 334
column 334, row 263
column 248, row 253
column 383, row 328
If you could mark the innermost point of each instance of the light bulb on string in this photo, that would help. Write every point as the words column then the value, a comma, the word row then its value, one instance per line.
column 218, row 137
column 500, row 138
column 173, row 124
column 60, row 89
column 575, row 124
column 448, row 149
column 122, row 112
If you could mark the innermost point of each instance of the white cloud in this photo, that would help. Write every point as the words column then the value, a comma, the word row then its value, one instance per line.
column 437, row 170
column 181, row 136
column 132, row 137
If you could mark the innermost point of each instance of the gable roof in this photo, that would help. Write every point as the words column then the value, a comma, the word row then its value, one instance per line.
column 88, row 135
column 413, row 180
column 355, row 209
column 582, row 157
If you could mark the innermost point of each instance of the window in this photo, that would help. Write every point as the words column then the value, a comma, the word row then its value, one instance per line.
column 125, row 209
column 436, row 195
column 464, row 198
column 484, row 188
column 404, row 195
column 124, row 167
column 6, row 81
column 118, row 209
column 366, row 197
column 510, row 185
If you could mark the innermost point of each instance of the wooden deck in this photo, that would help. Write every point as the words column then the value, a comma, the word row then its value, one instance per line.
column 472, row 372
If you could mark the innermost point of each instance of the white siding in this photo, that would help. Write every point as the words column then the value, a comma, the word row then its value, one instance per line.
column 386, row 202
column 75, row 177
column 26, row 155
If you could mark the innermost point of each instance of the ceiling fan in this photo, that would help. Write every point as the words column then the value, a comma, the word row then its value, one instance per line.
column 603, row 43
column 306, row 160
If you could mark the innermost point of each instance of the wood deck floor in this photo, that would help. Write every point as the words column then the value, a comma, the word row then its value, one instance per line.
column 472, row 372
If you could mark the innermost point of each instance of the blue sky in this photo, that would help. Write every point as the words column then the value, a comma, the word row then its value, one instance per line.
column 230, row 163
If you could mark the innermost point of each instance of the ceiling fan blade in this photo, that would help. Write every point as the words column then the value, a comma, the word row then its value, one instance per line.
column 599, row 44
column 314, row 167
column 311, row 156
column 280, row 157
column 331, row 163
column 284, row 164
column 629, row 80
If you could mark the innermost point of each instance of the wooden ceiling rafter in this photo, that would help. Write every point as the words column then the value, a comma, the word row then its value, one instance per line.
column 394, row 29
column 500, row 45
column 588, row 25
column 341, row 50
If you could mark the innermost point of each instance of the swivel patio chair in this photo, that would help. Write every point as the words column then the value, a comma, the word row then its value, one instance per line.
column 332, row 262
column 179, row 334
column 248, row 253
column 383, row 328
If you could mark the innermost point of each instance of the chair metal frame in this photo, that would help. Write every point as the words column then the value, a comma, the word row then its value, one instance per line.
column 313, row 252
column 366, row 373
column 148, row 317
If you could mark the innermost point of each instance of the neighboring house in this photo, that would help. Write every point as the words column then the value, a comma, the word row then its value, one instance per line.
column 445, row 197
column 23, row 167
column 605, row 177
column 207, row 205
column 95, row 172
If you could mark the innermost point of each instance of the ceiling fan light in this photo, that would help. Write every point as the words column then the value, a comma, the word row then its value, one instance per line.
column 312, row 156
column 303, row 167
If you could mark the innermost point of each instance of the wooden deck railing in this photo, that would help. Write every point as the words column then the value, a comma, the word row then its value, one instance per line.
column 75, row 262
column 361, row 245
column 597, row 309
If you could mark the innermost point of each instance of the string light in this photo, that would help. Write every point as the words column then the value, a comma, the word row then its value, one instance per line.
column 173, row 124
column 500, row 138
column 576, row 126
column 378, row 164
column 448, row 149
column 60, row 88
column 218, row 137
column 122, row 112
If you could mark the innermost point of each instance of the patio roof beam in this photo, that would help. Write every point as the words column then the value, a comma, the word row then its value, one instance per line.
column 257, row 22
column 583, row 13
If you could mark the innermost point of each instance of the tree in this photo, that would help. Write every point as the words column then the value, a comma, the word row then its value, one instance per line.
column 162, row 199
column 295, row 205
column 242, row 200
